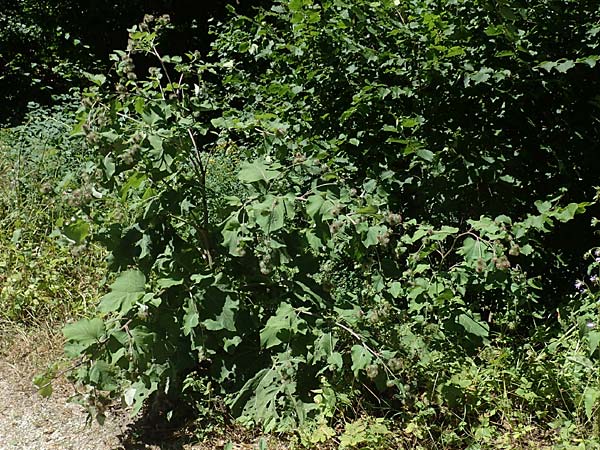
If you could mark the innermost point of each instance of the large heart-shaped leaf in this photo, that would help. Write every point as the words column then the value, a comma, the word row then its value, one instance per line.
column 85, row 331
column 124, row 292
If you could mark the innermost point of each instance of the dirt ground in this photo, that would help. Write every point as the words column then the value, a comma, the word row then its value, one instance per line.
column 30, row 422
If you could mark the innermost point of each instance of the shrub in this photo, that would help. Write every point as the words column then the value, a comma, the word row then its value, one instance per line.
column 380, row 233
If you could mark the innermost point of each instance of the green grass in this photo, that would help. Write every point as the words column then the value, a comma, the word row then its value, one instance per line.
column 43, row 278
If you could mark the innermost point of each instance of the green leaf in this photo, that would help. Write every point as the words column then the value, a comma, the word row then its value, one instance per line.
column 150, row 117
column 77, row 231
column 257, row 171
column 281, row 321
column 427, row 155
column 133, row 182
column 109, row 166
column 191, row 318
column 395, row 289
column 323, row 347
column 262, row 444
column 361, row 358
column 369, row 186
column 129, row 396
column 142, row 338
column 547, row 65
column 591, row 60
column 97, row 79
column 526, row 250
column 565, row 66
column 128, row 288
column 145, row 245
column 225, row 319
column 508, row 13
column 314, row 204
column 410, row 122
column 570, row 211
column 270, row 214
column 590, row 397
column 336, row 360
column 494, row 30
column 373, row 233
column 367, row 210
column 443, row 233
column 85, row 331
column 45, row 390
column 472, row 249
column 542, row 206
column 166, row 283
column 138, row 393
column 44, row 383
column 129, row 281
column 313, row 240
column 455, row 51
column 593, row 341
column 157, row 144
column 477, row 328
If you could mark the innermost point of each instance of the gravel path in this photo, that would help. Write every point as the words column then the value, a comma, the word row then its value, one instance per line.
column 28, row 421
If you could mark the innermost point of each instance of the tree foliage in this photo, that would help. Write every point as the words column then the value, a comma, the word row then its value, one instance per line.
column 47, row 46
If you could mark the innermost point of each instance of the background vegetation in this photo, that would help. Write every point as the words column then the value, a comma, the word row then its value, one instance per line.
column 368, row 224
column 44, row 279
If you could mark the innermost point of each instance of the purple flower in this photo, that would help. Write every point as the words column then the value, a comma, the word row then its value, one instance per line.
column 579, row 285
column 590, row 325
column 594, row 279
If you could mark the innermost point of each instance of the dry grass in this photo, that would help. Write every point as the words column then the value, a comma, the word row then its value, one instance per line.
column 29, row 350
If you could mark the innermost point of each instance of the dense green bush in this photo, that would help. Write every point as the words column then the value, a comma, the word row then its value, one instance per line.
column 347, row 205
